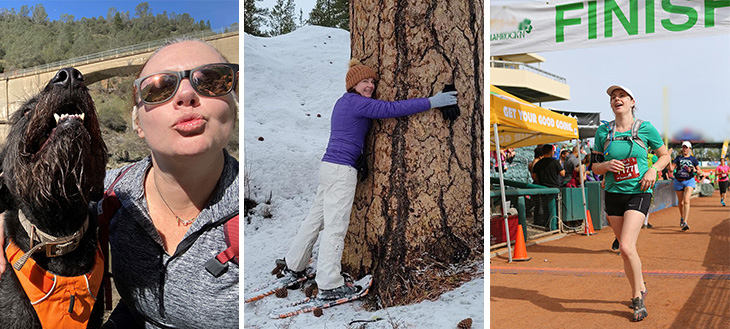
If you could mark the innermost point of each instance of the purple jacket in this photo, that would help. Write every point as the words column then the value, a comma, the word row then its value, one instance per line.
column 351, row 122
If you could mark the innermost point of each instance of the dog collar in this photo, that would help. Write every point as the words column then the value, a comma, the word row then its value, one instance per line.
column 54, row 246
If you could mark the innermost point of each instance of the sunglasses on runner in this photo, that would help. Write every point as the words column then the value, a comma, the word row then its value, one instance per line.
column 209, row 80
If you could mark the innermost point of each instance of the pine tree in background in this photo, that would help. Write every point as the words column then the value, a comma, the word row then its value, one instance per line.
column 253, row 18
column 331, row 13
column 342, row 14
column 322, row 14
column 39, row 14
column 281, row 18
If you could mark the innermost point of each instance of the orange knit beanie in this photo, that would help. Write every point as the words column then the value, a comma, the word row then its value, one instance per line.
column 357, row 73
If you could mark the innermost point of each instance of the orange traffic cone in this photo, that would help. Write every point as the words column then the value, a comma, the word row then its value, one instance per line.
column 589, row 224
column 520, row 254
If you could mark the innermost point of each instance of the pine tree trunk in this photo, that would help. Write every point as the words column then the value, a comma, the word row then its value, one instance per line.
column 420, row 212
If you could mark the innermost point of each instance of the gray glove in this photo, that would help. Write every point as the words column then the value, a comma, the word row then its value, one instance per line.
column 443, row 99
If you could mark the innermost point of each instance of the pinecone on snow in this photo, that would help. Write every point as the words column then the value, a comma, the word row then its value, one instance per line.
column 311, row 290
column 277, row 270
column 464, row 324
column 317, row 312
column 282, row 292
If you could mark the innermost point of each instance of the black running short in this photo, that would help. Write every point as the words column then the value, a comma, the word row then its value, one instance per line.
column 723, row 186
column 618, row 203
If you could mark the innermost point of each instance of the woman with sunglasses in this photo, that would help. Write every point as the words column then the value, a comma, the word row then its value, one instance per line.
column 330, row 213
column 175, row 201
column 685, row 167
column 629, row 181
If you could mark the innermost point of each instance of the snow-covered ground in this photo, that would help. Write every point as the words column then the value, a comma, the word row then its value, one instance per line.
column 291, row 83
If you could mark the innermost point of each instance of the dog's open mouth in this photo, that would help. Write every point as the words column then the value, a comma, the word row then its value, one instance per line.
column 63, row 117
column 69, row 116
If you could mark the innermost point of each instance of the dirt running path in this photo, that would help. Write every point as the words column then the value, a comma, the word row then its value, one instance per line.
column 582, row 285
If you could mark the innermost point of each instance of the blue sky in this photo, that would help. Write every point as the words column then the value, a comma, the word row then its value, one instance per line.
column 220, row 13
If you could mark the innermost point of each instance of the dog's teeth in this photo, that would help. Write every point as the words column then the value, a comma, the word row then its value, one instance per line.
column 64, row 116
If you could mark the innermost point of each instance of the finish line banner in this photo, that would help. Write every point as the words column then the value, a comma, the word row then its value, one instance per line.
column 540, row 26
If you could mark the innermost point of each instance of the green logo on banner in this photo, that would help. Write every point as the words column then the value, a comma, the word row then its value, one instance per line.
column 525, row 25
column 523, row 30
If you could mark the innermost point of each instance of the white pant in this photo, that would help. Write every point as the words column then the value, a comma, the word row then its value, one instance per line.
column 330, row 214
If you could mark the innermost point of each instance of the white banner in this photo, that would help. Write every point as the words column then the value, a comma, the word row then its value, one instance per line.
column 540, row 26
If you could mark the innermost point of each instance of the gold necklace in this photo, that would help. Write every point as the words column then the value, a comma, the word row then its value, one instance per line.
column 180, row 221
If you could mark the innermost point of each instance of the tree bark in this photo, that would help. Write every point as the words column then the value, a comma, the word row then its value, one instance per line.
column 417, row 223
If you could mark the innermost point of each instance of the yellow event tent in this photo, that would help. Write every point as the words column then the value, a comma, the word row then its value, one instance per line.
column 521, row 123
column 513, row 123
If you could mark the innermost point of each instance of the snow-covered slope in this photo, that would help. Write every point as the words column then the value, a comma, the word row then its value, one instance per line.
column 291, row 83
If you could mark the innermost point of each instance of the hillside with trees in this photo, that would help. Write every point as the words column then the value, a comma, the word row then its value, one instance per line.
column 28, row 38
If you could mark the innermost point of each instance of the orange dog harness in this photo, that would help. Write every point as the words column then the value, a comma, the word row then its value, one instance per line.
column 59, row 301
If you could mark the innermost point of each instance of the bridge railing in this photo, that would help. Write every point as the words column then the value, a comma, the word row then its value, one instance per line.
column 141, row 47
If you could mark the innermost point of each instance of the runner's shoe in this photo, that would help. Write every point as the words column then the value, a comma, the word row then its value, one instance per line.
column 643, row 295
column 639, row 309
column 614, row 246
column 684, row 226
column 648, row 225
column 722, row 202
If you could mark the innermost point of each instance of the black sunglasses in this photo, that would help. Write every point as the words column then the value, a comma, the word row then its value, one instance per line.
column 210, row 80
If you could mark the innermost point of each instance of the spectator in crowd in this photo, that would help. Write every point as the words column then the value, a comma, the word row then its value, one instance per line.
column 495, row 162
column 510, row 155
column 547, row 172
column 571, row 163
column 538, row 156
column 590, row 175
column 562, row 156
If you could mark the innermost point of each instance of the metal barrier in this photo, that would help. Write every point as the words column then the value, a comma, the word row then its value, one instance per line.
column 534, row 202
column 664, row 196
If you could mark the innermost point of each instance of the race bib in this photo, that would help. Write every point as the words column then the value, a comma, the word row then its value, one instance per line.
column 631, row 170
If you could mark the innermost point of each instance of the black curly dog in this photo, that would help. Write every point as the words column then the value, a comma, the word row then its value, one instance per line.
column 53, row 166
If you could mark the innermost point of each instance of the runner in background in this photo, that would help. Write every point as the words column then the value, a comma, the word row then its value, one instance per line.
column 721, row 176
column 685, row 166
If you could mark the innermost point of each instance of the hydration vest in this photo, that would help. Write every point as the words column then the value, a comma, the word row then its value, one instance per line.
column 633, row 138
column 59, row 301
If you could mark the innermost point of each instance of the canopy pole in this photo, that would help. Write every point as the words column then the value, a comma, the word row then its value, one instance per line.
column 582, row 171
column 501, row 189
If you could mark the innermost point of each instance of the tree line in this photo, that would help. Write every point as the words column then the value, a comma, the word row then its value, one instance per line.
column 28, row 38
column 282, row 18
